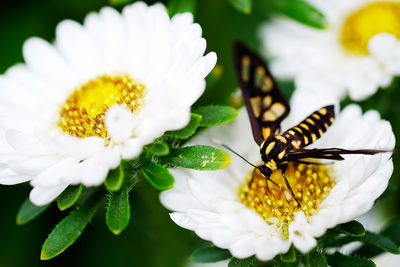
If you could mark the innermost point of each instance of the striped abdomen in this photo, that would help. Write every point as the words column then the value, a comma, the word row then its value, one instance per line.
column 311, row 128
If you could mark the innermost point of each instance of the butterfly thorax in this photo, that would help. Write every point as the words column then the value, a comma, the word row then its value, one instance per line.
column 274, row 150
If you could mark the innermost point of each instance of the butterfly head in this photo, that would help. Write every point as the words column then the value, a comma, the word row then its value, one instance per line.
column 265, row 170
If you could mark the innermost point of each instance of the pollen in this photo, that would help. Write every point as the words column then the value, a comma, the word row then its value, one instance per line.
column 311, row 184
column 374, row 18
column 83, row 113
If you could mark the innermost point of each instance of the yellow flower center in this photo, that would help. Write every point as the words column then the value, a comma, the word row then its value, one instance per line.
column 83, row 113
column 372, row 19
column 311, row 184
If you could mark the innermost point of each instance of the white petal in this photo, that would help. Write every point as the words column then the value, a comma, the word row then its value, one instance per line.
column 119, row 122
column 382, row 46
column 81, row 54
column 41, row 196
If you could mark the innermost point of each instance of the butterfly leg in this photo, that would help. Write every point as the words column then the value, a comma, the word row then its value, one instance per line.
column 267, row 179
column 283, row 168
column 273, row 182
column 252, row 177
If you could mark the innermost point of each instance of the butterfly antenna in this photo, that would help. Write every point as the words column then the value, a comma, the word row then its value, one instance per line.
column 234, row 152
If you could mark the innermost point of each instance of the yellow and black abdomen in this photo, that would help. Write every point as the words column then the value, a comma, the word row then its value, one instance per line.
column 311, row 128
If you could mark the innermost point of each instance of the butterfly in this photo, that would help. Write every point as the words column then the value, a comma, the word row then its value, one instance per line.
column 267, row 107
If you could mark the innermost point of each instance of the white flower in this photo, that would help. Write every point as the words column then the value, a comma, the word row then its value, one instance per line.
column 358, row 52
column 387, row 260
column 212, row 203
column 101, row 92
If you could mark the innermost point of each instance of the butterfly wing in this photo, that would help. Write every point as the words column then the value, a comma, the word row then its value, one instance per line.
column 266, row 105
column 329, row 153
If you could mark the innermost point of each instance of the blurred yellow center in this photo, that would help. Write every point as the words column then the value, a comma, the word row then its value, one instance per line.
column 83, row 113
column 311, row 184
column 360, row 26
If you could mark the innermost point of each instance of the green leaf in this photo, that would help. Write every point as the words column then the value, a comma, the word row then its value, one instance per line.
column 198, row 158
column 290, row 256
column 377, row 240
column 243, row 6
column 181, row 6
column 210, row 254
column 341, row 260
column 216, row 115
column 158, row 176
column 189, row 130
column 115, row 179
column 29, row 211
column 392, row 231
column 118, row 211
column 352, row 228
column 339, row 241
column 157, row 148
column 316, row 259
column 368, row 251
column 380, row 241
column 119, row 2
column 69, row 197
column 70, row 228
column 234, row 262
column 300, row 11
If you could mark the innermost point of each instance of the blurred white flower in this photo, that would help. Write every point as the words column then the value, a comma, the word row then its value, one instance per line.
column 220, row 207
column 101, row 92
column 387, row 260
column 357, row 53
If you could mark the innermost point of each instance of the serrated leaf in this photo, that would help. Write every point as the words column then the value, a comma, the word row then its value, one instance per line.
column 316, row 259
column 118, row 211
column 368, row 251
column 198, row 158
column 181, row 6
column 243, row 6
column 380, row 241
column 70, row 228
column 300, row 11
column 28, row 211
column 352, row 228
column 216, row 115
column 189, row 130
column 210, row 254
column 157, row 148
column 158, row 176
column 248, row 262
column 69, row 197
column 290, row 256
column 115, row 179
column 339, row 241
column 340, row 260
